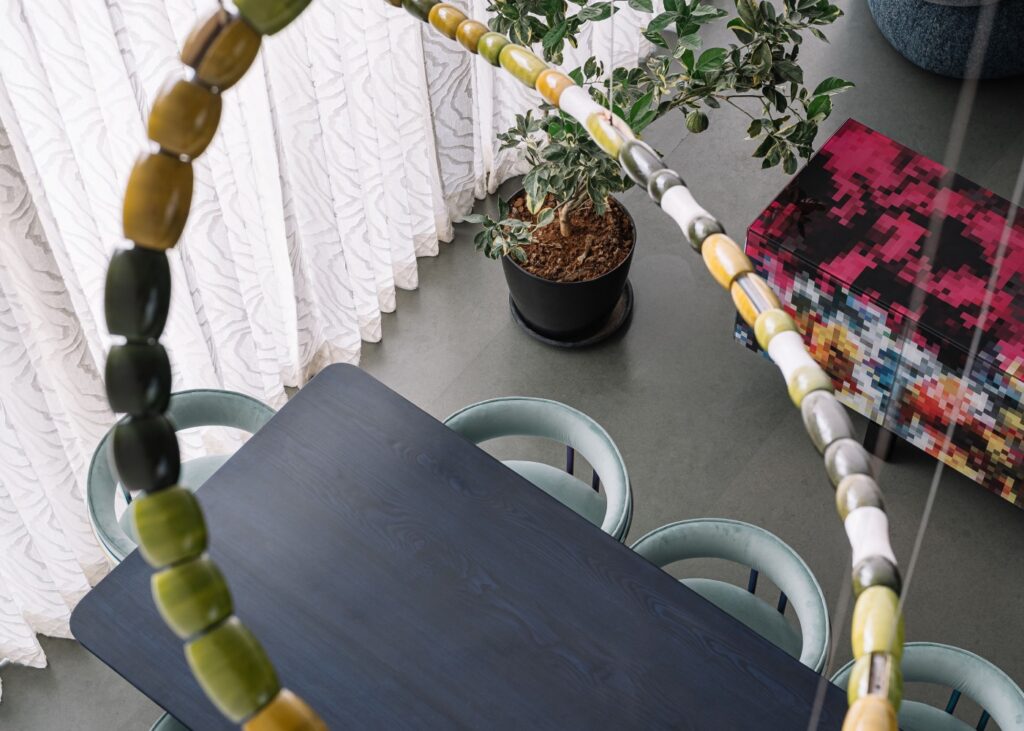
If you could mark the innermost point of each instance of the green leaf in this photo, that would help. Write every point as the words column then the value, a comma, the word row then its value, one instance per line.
column 789, row 163
column 832, row 85
column 475, row 218
column 819, row 108
column 696, row 121
column 712, row 59
column 737, row 26
column 754, row 130
column 644, row 6
column 552, row 40
column 789, row 71
column 687, row 60
column 545, row 217
column 597, row 11
column 640, row 106
column 748, row 13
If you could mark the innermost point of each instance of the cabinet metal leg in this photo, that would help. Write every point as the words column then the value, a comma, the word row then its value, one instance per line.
column 879, row 441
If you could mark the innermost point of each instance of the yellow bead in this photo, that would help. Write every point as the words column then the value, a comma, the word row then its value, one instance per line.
column 287, row 712
column 770, row 323
column 870, row 713
column 609, row 132
column 879, row 675
column 469, row 34
column 805, row 379
column 184, row 118
column 752, row 296
column 221, row 49
column 551, row 83
column 446, row 18
column 157, row 201
column 724, row 259
column 876, row 627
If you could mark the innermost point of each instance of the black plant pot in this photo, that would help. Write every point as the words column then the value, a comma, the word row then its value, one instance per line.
column 568, row 312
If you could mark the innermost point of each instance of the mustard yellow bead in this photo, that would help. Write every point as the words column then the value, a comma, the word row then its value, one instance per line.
column 522, row 63
column 551, row 83
column 157, row 200
column 752, row 296
column 221, row 49
column 870, row 713
column 770, row 323
column 724, row 259
column 469, row 34
column 184, row 118
column 877, row 674
column 287, row 712
column 877, row 627
column 805, row 379
column 446, row 18
column 608, row 131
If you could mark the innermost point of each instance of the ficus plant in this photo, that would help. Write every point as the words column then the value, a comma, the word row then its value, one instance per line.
column 758, row 75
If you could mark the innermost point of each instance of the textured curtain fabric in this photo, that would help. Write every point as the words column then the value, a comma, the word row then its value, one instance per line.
column 345, row 154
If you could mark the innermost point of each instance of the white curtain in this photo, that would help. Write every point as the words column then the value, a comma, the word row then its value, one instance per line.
column 345, row 154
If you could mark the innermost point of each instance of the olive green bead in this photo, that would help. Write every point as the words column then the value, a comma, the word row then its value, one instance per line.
column 157, row 201
column 876, row 571
column 639, row 161
column 446, row 18
column 221, row 49
column 857, row 491
column 270, row 16
column 825, row 419
column 806, row 379
column 145, row 452
column 490, row 46
column 233, row 670
column 700, row 229
column 876, row 674
column 184, row 118
column 522, row 63
column 138, row 378
column 845, row 457
column 191, row 596
column 419, row 9
column 877, row 624
column 469, row 34
column 660, row 181
column 170, row 526
column 137, row 294
column 770, row 323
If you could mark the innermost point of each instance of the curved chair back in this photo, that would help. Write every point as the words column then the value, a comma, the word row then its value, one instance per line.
column 763, row 552
column 186, row 410
column 963, row 672
column 536, row 417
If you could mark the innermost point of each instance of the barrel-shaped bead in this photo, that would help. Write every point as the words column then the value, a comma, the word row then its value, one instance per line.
column 877, row 624
column 490, row 46
column 138, row 378
column 446, row 18
column 752, row 296
column 725, row 259
column 270, row 16
column 877, row 674
column 157, row 200
column 184, row 117
column 522, row 63
column 145, row 453
column 608, row 131
column 221, row 49
column 660, row 181
column 419, row 9
column 857, row 491
column 876, row 571
column 287, row 712
column 170, row 526
column 233, row 670
column 191, row 596
column 137, row 293
column 807, row 379
column 846, row 457
column 770, row 323
column 469, row 34
column 700, row 229
column 825, row 419
column 639, row 161
column 550, row 85
column 870, row 713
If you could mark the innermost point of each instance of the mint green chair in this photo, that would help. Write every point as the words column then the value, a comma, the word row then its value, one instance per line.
column 535, row 417
column 167, row 722
column 187, row 409
column 966, row 674
column 764, row 553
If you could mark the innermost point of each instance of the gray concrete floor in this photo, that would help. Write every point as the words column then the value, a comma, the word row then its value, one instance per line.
column 705, row 426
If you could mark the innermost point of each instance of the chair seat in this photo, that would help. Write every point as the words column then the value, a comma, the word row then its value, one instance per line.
column 916, row 716
column 167, row 722
column 563, row 487
column 747, row 608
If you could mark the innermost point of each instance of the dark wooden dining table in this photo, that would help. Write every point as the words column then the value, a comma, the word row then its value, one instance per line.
column 401, row 577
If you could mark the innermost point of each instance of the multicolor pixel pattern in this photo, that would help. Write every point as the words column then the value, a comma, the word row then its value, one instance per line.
column 842, row 246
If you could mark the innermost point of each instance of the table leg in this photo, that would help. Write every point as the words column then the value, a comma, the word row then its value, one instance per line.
column 879, row 441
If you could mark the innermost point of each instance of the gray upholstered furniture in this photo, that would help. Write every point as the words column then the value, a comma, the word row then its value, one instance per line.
column 535, row 417
column 764, row 553
column 963, row 672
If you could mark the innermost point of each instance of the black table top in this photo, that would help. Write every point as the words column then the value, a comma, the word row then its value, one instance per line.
column 400, row 577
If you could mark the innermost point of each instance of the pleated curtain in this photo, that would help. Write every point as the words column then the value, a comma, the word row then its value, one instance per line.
column 346, row 153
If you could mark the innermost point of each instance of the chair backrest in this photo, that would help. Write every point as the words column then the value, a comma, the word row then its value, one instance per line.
column 758, row 549
column 536, row 417
column 186, row 410
column 964, row 673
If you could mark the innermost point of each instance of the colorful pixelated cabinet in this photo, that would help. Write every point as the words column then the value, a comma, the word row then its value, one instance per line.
column 842, row 246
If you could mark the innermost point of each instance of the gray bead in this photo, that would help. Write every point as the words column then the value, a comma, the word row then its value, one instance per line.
column 825, row 419
column 857, row 491
column 701, row 228
column 876, row 571
column 660, row 181
column 846, row 457
column 639, row 161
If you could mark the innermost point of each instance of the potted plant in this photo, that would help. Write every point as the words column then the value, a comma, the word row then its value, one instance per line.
column 565, row 242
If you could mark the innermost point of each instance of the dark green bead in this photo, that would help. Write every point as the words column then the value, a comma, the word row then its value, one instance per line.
column 270, row 16
column 191, row 596
column 138, row 293
column 700, row 228
column 145, row 452
column 660, row 181
column 844, row 457
column 138, row 378
column 639, row 161
column 876, row 571
column 856, row 491
column 419, row 9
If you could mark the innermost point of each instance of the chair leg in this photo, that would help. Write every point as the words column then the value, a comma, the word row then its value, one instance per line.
column 570, row 460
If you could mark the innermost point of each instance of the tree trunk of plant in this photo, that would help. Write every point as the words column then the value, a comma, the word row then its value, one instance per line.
column 563, row 220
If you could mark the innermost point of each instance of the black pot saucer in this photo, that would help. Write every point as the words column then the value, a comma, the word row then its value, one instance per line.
column 618, row 320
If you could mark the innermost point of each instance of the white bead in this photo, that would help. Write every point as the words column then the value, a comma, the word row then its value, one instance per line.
column 576, row 102
column 679, row 203
column 788, row 352
column 868, row 531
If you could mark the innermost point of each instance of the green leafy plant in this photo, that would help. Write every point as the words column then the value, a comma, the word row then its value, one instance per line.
column 507, row 236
